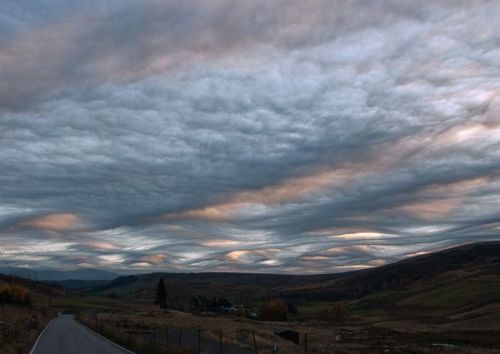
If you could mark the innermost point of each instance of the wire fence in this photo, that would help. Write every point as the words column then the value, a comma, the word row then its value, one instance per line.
column 160, row 339
column 206, row 341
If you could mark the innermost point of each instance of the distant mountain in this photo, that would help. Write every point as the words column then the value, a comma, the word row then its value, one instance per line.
column 19, row 272
column 454, row 267
column 57, row 275
column 76, row 284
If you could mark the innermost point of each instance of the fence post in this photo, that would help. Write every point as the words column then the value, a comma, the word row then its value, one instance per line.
column 180, row 337
column 255, row 343
column 199, row 340
column 166, row 336
column 220, row 340
column 305, row 343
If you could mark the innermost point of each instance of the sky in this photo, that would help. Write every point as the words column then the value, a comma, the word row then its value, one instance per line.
column 284, row 136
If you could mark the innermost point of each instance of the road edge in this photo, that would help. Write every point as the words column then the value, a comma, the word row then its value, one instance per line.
column 102, row 337
column 40, row 336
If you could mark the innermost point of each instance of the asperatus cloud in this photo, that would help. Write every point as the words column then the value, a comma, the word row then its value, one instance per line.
column 214, row 135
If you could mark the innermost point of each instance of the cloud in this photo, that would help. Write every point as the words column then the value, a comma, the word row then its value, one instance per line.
column 292, row 136
column 53, row 222
column 66, row 42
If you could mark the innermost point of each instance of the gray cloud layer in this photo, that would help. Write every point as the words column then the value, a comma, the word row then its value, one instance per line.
column 292, row 136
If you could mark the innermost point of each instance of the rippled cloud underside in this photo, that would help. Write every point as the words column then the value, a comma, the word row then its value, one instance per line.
column 265, row 136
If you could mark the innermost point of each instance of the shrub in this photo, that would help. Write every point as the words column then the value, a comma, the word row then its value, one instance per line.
column 274, row 310
column 14, row 294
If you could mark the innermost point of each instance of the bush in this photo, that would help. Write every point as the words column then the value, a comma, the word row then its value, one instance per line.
column 14, row 294
column 274, row 310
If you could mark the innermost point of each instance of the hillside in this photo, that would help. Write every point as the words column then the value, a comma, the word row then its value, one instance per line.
column 35, row 288
column 460, row 285
column 459, row 262
column 450, row 297
column 480, row 260
column 25, row 309
column 60, row 275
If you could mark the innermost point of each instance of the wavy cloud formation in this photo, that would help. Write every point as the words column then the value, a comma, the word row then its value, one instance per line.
column 285, row 136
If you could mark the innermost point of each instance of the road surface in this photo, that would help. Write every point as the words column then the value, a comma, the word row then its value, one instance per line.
column 63, row 335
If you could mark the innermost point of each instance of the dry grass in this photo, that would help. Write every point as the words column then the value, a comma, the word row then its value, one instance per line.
column 236, row 331
column 357, row 335
column 121, row 320
column 21, row 327
column 121, row 337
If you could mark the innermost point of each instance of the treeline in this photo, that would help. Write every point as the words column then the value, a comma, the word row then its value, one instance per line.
column 202, row 303
column 275, row 309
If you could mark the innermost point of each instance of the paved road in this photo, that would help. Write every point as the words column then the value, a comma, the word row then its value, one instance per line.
column 63, row 335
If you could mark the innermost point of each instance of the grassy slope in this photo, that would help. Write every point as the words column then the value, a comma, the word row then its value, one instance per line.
column 422, row 273
column 23, row 324
column 456, row 294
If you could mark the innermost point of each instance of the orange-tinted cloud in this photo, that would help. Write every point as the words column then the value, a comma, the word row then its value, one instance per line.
column 299, row 187
column 442, row 200
column 219, row 243
column 362, row 236
column 54, row 222
column 295, row 188
column 154, row 259
column 469, row 132
column 235, row 255
column 101, row 245
column 350, row 233
column 314, row 258
column 251, row 256
column 349, row 249
column 432, row 209
column 286, row 191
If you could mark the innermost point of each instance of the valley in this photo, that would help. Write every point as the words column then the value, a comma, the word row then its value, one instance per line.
column 443, row 302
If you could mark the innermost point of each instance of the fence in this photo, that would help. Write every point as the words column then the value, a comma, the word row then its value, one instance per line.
column 206, row 341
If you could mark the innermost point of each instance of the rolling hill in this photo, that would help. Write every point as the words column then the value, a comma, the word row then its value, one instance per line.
column 451, row 296
column 455, row 269
column 59, row 275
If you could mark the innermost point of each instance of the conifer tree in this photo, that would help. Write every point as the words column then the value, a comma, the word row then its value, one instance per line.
column 161, row 294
